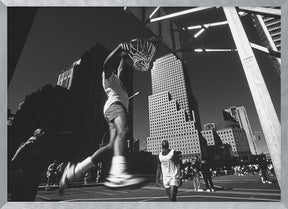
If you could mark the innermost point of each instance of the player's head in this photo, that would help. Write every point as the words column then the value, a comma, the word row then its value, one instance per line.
column 165, row 144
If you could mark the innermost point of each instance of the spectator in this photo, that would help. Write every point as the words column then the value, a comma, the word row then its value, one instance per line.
column 51, row 174
column 207, row 176
column 30, row 160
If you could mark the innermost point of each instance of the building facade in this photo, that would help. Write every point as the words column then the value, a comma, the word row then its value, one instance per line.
column 66, row 77
column 209, row 136
column 261, row 145
column 230, row 133
column 171, row 114
column 208, row 126
column 239, row 115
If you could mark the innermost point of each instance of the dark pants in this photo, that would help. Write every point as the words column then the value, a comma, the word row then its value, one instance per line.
column 264, row 174
column 208, row 181
column 26, row 186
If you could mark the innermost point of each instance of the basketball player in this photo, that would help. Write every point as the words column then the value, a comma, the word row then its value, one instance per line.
column 115, row 112
column 170, row 166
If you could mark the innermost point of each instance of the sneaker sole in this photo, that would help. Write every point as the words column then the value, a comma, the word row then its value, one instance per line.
column 131, row 183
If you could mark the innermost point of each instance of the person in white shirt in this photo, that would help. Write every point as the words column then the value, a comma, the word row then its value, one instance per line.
column 115, row 112
column 169, row 166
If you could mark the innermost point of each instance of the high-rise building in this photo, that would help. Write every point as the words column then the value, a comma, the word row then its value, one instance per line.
column 208, row 126
column 65, row 78
column 260, row 142
column 173, row 113
column 212, row 138
column 209, row 136
column 239, row 114
column 231, row 133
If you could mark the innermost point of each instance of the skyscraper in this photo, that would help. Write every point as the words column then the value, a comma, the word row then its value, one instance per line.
column 65, row 78
column 231, row 133
column 208, row 126
column 261, row 145
column 173, row 112
column 239, row 114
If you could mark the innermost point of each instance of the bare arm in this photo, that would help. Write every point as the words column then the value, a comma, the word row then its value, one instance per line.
column 112, row 61
column 22, row 151
column 158, row 173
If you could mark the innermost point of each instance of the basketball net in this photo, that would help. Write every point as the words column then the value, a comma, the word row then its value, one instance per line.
column 141, row 52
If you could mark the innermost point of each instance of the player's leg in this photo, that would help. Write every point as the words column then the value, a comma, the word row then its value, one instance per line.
column 174, row 184
column 173, row 191
column 76, row 171
column 168, row 191
column 119, row 176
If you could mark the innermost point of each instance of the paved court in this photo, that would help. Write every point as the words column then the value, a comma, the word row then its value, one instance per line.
column 228, row 188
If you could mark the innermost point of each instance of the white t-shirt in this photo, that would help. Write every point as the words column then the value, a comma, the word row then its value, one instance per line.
column 168, row 166
column 115, row 91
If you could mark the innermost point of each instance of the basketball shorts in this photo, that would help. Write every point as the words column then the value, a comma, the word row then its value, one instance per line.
column 114, row 110
column 171, row 181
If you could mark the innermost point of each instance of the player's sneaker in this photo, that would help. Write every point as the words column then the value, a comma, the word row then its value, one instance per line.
column 69, row 169
column 123, row 180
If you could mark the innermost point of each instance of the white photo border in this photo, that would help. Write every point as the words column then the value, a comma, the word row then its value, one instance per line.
column 133, row 3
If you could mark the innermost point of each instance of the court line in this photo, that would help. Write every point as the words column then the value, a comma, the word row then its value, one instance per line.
column 266, row 190
column 238, row 198
column 42, row 197
column 145, row 199
column 232, row 191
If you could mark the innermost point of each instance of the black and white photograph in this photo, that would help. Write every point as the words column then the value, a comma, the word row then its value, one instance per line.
column 144, row 104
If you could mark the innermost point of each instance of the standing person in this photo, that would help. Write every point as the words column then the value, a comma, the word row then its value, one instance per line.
column 60, row 169
column 51, row 174
column 195, row 166
column 31, row 160
column 115, row 112
column 264, row 171
column 207, row 176
column 169, row 166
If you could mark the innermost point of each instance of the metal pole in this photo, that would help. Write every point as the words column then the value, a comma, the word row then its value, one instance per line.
column 267, row 115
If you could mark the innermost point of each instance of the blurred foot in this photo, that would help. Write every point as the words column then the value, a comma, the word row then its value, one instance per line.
column 124, row 180
column 69, row 170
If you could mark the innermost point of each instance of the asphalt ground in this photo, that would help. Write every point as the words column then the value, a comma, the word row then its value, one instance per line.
column 229, row 188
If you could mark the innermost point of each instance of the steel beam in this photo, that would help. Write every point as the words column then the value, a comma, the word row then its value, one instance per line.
column 164, row 30
column 262, row 10
column 151, row 15
column 267, row 115
column 176, row 14
column 266, row 50
column 215, row 50
column 207, row 25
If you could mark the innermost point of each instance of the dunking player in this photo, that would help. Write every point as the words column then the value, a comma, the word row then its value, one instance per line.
column 115, row 111
column 170, row 166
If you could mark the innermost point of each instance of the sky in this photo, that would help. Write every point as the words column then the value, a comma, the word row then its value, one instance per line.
column 59, row 36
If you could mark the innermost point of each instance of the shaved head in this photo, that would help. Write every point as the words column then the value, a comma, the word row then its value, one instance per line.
column 165, row 144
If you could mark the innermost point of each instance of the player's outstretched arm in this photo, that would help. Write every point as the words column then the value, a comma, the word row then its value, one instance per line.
column 158, row 173
column 111, row 63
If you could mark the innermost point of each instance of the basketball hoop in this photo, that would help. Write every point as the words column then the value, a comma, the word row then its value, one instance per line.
column 141, row 52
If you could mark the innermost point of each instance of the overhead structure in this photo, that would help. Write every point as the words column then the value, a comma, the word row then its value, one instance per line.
column 267, row 115
column 262, row 10
column 165, row 24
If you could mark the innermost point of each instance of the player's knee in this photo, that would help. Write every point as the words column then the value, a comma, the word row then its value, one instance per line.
column 123, row 132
